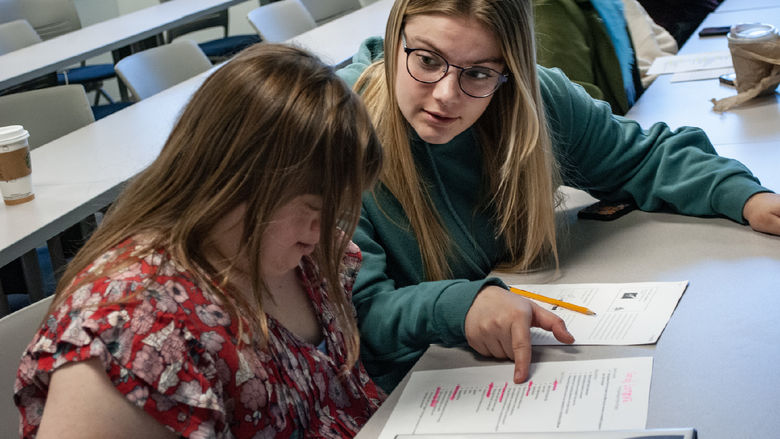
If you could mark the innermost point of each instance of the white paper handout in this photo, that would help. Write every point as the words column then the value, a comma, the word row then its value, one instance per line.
column 588, row 395
column 687, row 63
column 660, row 433
column 698, row 75
column 626, row 314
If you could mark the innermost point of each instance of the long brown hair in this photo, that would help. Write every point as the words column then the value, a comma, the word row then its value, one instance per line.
column 518, row 162
column 272, row 123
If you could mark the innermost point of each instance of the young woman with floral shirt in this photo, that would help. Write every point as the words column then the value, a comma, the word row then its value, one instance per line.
column 214, row 299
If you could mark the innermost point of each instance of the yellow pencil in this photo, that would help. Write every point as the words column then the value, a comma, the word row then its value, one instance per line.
column 551, row 301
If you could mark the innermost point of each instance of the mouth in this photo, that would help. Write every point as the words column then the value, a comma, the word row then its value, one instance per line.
column 306, row 248
column 439, row 118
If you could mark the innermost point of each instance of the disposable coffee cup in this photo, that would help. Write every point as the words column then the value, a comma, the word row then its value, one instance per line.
column 755, row 48
column 15, row 169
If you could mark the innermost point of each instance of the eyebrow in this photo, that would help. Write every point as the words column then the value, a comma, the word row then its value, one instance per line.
column 313, row 206
column 422, row 40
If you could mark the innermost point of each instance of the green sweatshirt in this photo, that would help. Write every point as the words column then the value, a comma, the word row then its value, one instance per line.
column 400, row 314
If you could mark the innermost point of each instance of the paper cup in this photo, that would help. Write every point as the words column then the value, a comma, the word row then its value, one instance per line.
column 15, row 169
column 752, row 45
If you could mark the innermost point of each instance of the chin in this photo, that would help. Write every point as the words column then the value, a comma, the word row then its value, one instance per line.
column 436, row 138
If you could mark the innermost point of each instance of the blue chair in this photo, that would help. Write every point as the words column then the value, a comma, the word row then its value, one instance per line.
column 51, row 19
column 219, row 49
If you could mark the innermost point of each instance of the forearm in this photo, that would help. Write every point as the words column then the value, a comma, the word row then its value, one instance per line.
column 612, row 157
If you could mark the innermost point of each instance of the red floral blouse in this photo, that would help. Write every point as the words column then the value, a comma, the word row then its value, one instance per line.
column 174, row 354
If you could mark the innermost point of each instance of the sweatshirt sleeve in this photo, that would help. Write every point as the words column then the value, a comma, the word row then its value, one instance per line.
column 613, row 158
column 370, row 50
column 399, row 314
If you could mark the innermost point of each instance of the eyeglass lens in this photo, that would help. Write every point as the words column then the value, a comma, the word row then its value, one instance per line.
column 426, row 66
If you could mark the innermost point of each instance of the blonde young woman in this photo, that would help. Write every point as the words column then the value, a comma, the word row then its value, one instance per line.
column 477, row 139
column 213, row 301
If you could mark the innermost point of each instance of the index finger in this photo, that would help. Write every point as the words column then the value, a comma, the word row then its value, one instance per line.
column 521, row 347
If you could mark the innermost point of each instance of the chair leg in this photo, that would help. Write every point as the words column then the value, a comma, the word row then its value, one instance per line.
column 4, row 307
column 100, row 91
column 118, row 54
column 58, row 260
column 32, row 275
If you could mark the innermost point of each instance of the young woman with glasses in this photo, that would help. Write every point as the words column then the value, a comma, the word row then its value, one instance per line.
column 477, row 141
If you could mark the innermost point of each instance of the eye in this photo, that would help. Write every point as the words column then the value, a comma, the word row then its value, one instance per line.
column 428, row 60
column 313, row 206
column 479, row 73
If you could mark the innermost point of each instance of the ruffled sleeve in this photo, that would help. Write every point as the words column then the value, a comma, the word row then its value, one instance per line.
column 150, row 347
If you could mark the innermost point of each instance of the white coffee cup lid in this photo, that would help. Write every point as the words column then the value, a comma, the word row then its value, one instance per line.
column 751, row 31
column 12, row 134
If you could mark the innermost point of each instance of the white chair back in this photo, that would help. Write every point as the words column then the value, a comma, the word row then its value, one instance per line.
column 16, row 332
column 17, row 34
column 153, row 70
column 51, row 18
column 279, row 21
column 10, row 10
column 47, row 113
column 326, row 10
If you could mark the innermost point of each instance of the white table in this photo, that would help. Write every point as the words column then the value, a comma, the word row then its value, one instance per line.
column 336, row 41
column 688, row 103
column 68, row 49
column 740, row 5
column 697, row 44
column 81, row 172
column 716, row 364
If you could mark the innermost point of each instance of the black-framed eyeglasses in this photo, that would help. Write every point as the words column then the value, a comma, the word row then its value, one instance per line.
column 429, row 67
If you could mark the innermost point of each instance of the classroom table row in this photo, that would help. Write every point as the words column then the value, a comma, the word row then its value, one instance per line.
column 741, row 5
column 57, row 53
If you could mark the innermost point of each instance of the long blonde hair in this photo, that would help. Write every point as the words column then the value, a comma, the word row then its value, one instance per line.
column 521, row 172
column 273, row 123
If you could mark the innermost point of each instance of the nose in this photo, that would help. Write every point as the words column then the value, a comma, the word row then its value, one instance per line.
column 447, row 89
column 313, row 233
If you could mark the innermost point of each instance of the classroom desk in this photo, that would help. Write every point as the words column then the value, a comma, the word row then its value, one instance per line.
column 688, row 103
column 80, row 173
column 336, row 41
column 697, row 44
column 739, row 5
column 63, row 51
column 715, row 365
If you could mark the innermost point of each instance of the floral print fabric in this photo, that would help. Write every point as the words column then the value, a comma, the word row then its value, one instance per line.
column 173, row 351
